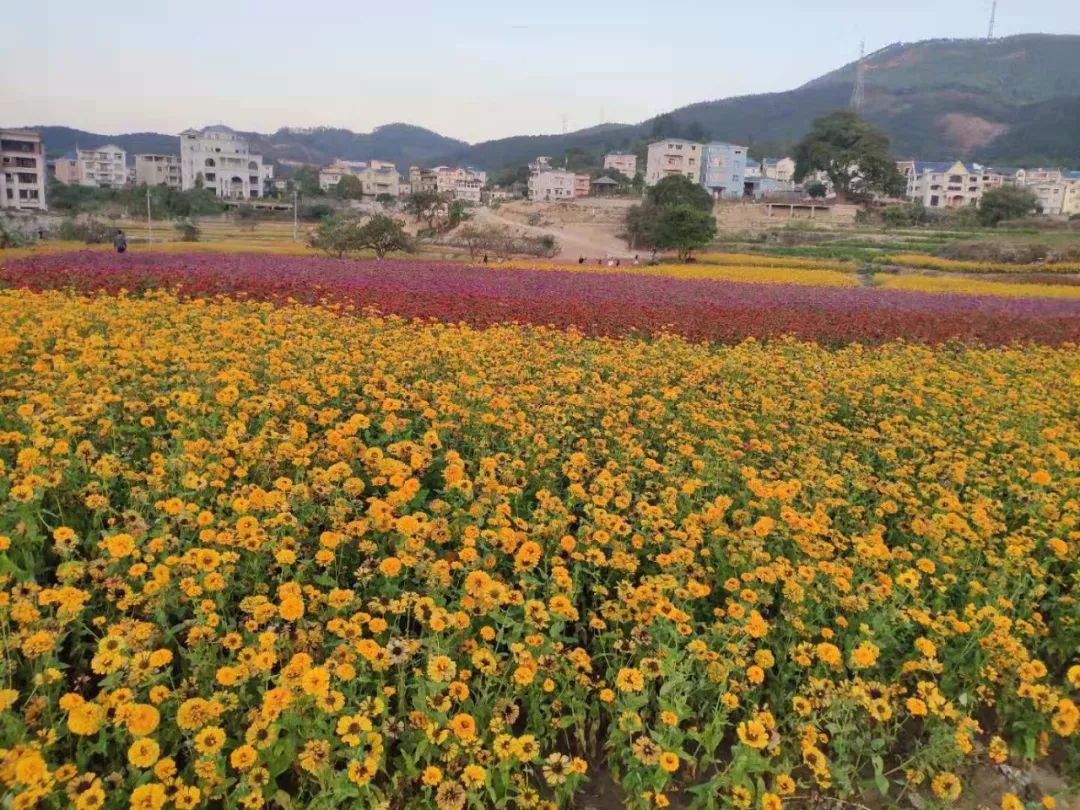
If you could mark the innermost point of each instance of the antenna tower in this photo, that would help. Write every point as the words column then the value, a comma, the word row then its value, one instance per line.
column 993, row 19
column 858, row 95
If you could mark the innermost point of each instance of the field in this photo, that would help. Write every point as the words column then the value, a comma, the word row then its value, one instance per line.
column 286, row 531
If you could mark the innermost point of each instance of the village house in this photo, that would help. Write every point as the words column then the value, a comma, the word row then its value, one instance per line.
column 158, row 170
column 552, row 184
column 723, row 170
column 623, row 162
column 22, row 170
column 671, row 157
column 943, row 185
column 103, row 167
column 218, row 158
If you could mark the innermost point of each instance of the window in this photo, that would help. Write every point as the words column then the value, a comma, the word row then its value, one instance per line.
column 211, row 177
column 934, row 201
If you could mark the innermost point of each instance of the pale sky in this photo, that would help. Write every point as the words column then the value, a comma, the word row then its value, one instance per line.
column 469, row 69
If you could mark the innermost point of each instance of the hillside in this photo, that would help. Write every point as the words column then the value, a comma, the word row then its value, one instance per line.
column 401, row 143
column 1015, row 99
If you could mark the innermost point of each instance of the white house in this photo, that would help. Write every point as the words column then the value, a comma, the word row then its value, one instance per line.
column 782, row 169
column 105, row 167
column 552, row 184
column 944, row 185
column 219, row 159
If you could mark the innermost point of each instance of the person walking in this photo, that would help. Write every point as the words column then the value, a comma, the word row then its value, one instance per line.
column 119, row 241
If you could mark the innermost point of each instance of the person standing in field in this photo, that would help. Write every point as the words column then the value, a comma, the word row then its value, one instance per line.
column 119, row 241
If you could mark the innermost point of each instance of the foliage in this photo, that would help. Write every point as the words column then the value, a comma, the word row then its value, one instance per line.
column 1007, row 202
column 678, row 190
column 349, row 187
column 817, row 190
column 165, row 202
column 456, row 213
column 11, row 237
column 854, row 154
column 189, row 231
column 85, row 229
column 306, row 180
column 343, row 234
column 317, row 211
column 424, row 205
column 386, row 200
column 684, row 228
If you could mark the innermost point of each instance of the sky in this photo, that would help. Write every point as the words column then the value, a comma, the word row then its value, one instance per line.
column 469, row 69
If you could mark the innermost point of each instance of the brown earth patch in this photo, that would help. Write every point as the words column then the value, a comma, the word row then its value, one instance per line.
column 970, row 131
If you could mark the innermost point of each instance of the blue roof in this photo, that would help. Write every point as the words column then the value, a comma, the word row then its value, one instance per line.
column 70, row 156
column 1073, row 175
column 751, row 163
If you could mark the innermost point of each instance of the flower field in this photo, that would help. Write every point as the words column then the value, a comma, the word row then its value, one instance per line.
column 595, row 303
column 260, row 548
column 928, row 262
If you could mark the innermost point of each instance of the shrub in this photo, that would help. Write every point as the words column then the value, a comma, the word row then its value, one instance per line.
column 189, row 231
column 91, row 231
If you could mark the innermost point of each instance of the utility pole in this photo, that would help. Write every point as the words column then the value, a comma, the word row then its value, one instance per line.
column 858, row 94
column 149, row 224
column 993, row 19
column 295, row 220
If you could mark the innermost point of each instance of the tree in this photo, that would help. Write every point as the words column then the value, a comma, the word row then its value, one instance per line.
column 638, row 227
column 380, row 233
column 349, row 187
column 679, row 190
column 854, row 154
column 306, row 179
column 384, row 234
column 817, row 190
column 385, row 200
column 1007, row 202
column 684, row 228
column 424, row 205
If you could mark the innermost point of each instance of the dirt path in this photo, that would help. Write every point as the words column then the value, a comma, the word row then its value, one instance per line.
column 593, row 241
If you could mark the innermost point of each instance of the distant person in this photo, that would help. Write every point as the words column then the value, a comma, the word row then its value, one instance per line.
column 618, row 262
column 119, row 241
column 581, row 260
column 485, row 259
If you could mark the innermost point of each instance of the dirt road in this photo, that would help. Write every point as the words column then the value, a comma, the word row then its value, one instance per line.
column 591, row 240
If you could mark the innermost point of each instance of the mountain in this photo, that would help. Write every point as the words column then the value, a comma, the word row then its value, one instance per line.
column 400, row 143
column 936, row 99
column 1010, row 100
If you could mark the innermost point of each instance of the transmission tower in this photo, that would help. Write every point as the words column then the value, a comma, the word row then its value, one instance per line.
column 993, row 19
column 858, row 94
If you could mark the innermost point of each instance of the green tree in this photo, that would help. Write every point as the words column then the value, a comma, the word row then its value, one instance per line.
column 1007, row 202
column 854, row 154
column 306, row 180
column 349, row 187
column 817, row 190
column 424, row 205
column 384, row 234
column 638, row 227
column 679, row 190
column 683, row 228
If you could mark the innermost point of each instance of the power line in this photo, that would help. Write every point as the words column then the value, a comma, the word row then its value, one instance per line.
column 858, row 94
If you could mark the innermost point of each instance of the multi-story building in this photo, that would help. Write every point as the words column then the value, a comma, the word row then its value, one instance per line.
column 1050, row 194
column 104, row 167
column 782, row 169
column 157, row 170
column 22, row 169
column 753, row 169
column 943, row 185
column 997, row 177
column 423, row 180
column 670, row 157
column 66, row 169
column 723, row 169
column 218, row 158
column 623, row 162
column 449, row 178
column 552, row 184
column 1071, row 205
column 330, row 176
column 468, row 190
column 582, row 185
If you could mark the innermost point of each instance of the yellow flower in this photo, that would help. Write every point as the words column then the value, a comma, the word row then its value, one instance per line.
column 143, row 753
column 431, row 776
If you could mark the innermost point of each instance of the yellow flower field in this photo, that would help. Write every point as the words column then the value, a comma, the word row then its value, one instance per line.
column 919, row 260
column 974, row 286
column 255, row 556
column 751, row 271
